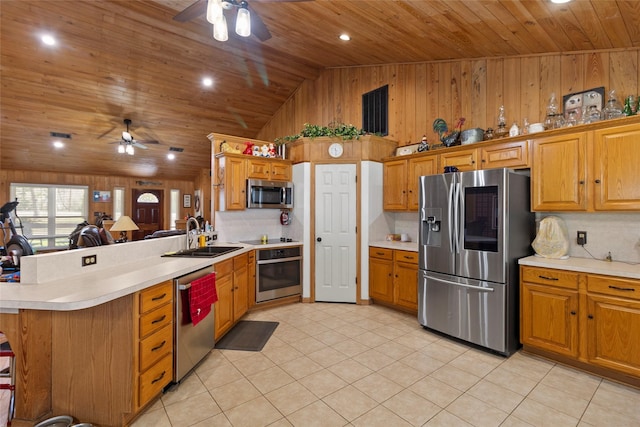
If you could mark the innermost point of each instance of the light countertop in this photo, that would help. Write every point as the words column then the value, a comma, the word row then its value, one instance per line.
column 404, row 246
column 96, row 286
column 585, row 265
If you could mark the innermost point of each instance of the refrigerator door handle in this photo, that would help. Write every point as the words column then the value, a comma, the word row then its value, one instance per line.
column 451, row 215
column 477, row 288
column 456, row 217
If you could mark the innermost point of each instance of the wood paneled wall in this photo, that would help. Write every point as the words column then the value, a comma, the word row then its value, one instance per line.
column 100, row 182
column 421, row 92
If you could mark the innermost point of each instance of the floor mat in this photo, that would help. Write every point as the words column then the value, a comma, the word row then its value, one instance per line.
column 247, row 335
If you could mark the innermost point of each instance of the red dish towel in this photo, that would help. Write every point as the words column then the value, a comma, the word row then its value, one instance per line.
column 202, row 294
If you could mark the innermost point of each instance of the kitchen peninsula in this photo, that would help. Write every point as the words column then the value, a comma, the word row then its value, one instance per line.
column 75, row 329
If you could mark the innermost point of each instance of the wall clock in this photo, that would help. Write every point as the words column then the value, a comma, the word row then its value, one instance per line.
column 335, row 150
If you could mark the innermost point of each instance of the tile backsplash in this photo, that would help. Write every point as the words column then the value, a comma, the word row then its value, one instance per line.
column 618, row 233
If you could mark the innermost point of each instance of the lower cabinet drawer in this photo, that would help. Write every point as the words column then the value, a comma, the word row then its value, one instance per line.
column 155, row 320
column 613, row 286
column 155, row 346
column 153, row 381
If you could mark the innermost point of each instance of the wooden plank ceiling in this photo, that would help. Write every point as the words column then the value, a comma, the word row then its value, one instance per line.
column 130, row 59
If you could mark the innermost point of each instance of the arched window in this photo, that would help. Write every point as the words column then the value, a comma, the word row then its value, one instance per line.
column 148, row 198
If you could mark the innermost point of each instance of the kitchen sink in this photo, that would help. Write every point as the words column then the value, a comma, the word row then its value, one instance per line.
column 206, row 252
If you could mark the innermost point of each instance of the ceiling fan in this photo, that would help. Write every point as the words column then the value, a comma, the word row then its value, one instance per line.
column 258, row 28
column 127, row 142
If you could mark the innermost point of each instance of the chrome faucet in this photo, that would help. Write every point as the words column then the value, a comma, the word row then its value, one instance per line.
column 188, row 242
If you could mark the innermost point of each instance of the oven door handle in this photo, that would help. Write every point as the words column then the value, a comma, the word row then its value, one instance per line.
column 184, row 287
column 273, row 261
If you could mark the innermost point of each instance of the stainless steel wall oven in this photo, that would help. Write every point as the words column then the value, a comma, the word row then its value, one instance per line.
column 278, row 272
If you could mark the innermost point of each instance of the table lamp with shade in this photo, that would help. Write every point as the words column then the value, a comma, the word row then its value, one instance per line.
column 124, row 224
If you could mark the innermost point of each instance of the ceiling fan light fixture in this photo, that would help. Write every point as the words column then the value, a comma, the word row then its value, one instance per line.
column 121, row 148
column 220, row 31
column 214, row 10
column 243, row 20
column 129, row 149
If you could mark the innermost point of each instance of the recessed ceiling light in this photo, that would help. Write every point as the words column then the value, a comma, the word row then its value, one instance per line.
column 58, row 144
column 171, row 156
column 207, row 82
column 48, row 39
column 345, row 37
column 560, row 1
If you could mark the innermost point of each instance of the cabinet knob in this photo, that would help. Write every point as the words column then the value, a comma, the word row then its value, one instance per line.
column 590, row 316
column 473, row 161
column 581, row 182
column 597, row 181
column 573, row 313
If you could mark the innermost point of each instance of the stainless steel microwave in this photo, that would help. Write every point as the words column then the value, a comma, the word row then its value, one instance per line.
column 269, row 194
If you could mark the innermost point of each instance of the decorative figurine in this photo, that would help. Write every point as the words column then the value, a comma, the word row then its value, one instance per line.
column 272, row 150
column 424, row 145
column 248, row 148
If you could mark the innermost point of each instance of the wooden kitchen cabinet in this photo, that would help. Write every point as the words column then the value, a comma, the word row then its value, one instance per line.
column 393, row 278
column 240, row 286
column 381, row 274
column 589, row 320
column 514, row 154
column 232, row 172
column 559, row 173
column 464, row 160
column 270, row 169
column 587, row 171
column 251, row 277
column 405, row 278
column 154, row 341
column 231, row 186
column 613, row 323
column 616, row 171
column 401, row 187
column 232, row 290
column 549, row 310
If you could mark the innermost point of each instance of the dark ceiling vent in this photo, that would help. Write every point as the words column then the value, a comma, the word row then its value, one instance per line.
column 179, row 150
column 60, row 135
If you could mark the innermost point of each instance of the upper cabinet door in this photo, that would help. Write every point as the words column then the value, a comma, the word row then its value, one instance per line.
column 558, row 173
column 418, row 167
column 616, row 168
column 394, row 195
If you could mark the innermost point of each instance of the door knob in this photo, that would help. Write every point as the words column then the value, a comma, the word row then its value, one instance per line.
column 319, row 239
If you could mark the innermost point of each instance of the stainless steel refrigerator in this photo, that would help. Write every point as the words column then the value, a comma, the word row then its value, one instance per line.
column 473, row 228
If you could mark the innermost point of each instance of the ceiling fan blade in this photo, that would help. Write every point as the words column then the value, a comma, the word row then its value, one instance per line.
column 147, row 141
column 258, row 28
column 138, row 145
column 196, row 9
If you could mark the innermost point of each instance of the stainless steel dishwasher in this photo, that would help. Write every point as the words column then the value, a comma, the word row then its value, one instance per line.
column 192, row 343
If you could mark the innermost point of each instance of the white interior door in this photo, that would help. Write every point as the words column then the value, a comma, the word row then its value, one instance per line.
column 335, row 228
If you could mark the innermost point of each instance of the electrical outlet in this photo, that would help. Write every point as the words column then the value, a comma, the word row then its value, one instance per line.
column 89, row 260
column 582, row 238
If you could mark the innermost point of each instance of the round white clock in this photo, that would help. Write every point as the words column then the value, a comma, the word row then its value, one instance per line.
column 335, row 149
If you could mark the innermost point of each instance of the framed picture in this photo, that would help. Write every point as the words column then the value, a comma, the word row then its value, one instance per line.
column 407, row 149
column 197, row 203
column 186, row 201
column 101, row 196
column 575, row 103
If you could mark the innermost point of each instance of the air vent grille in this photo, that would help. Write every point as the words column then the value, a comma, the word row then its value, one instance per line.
column 179, row 150
column 60, row 135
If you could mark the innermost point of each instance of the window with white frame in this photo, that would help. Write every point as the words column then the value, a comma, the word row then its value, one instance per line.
column 174, row 207
column 49, row 213
column 118, row 202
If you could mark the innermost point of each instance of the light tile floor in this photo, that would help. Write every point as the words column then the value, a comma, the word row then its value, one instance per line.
column 349, row 365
